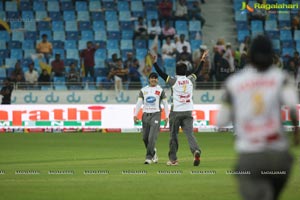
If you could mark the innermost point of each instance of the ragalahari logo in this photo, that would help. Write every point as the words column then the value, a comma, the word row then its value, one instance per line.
column 245, row 6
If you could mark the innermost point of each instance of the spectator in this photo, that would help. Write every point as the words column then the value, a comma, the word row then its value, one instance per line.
column 87, row 59
column 278, row 61
column 185, row 54
column 291, row 68
column 129, row 60
column 112, row 63
column 195, row 13
column 73, row 77
column 165, row 10
column 222, row 67
column 245, row 44
column 45, row 48
column 229, row 57
column 31, row 76
column 168, row 49
column 154, row 30
column 182, row 42
column 44, row 78
column 168, row 31
column 17, row 75
column 295, row 22
column 181, row 12
column 134, row 75
column 197, row 54
column 140, row 31
column 119, row 74
column 58, row 66
column 148, row 61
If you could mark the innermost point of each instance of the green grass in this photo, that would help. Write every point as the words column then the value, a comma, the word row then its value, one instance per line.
column 117, row 153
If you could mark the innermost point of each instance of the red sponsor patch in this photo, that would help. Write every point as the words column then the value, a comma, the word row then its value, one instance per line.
column 157, row 92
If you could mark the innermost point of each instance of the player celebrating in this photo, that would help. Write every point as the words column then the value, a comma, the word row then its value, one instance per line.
column 253, row 99
column 151, row 96
column 181, row 109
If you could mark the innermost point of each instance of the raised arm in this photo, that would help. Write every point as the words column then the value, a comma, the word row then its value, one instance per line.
column 202, row 61
column 162, row 74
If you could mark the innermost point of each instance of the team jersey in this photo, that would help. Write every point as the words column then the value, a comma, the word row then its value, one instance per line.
column 256, row 99
column 182, row 92
column 152, row 97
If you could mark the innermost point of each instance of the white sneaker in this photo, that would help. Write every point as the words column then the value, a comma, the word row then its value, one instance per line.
column 148, row 162
column 155, row 157
column 172, row 163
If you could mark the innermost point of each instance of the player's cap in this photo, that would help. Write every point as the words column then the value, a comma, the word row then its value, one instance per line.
column 153, row 75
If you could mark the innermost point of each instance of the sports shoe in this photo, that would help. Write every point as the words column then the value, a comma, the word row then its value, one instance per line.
column 172, row 163
column 196, row 158
column 155, row 157
column 148, row 162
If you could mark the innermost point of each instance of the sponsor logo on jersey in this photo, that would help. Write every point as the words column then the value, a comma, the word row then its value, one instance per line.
column 150, row 99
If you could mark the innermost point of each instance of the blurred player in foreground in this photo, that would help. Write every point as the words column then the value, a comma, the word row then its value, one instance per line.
column 253, row 100
column 182, row 106
column 151, row 96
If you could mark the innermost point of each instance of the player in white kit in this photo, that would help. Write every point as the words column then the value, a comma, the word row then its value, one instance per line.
column 181, row 109
column 151, row 97
column 252, row 101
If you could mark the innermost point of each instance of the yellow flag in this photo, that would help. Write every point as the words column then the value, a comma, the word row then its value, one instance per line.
column 45, row 66
column 5, row 25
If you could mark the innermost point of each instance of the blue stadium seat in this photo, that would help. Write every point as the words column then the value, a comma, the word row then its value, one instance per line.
column 29, row 52
column 297, row 35
column 59, row 35
column 181, row 25
column 127, row 34
column 3, row 45
column 123, row 6
column 4, row 53
column 194, row 25
column 125, row 15
column 69, row 15
column 124, row 53
column 55, row 16
column 150, row 14
column 48, row 33
column 87, row 35
column 95, row 6
column 4, row 36
column 195, row 44
column 82, row 44
column 137, row 6
column 126, row 25
column 100, row 44
column 83, row 16
column 109, row 5
column 170, row 63
column 110, row 52
column 276, row 45
column 271, row 29
column 257, row 25
column 14, row 44
column 40, row 15
column 17, row 35
column 285, row 35
column 98, row 25
column 284, row 20
column 11, row 6
column 100, row 54
column 58, row 26
column 150, row 5
column 16, row 25
column 72, row 54
column 112, row 44
column 100, row 35
column 2, row 72
column 71, row 26
column 97, row 16
column 141, row 53
column 28, row 44
column 12, row 15
column 44, row 26
column 61, row 52
column 113, row 35
column 16, row 54
column 287, row 52
column 72, row 35
column 126, row 44
column 111, row 15
column 140, row 44
column 242, row 34
column 30, row 26
column 27, row 15
column 81, row 6
column 57, row 44
column 39, row 6
column 113, row 26
column 68, row 6
column 70, row 44
column 84, row 25
column 10, row 63
column 53, row 6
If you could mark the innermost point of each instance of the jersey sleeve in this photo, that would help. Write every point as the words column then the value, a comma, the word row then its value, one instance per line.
column 171, row 80
column 224, row 116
